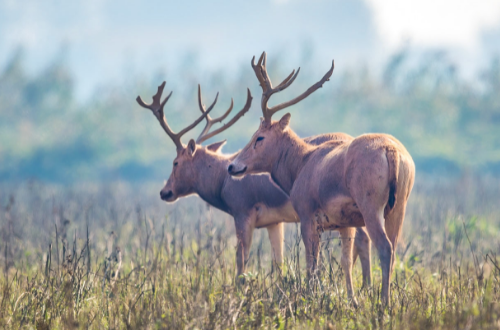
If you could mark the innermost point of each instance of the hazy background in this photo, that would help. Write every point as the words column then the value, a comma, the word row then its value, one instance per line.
column 427, row 72
column 81, row 164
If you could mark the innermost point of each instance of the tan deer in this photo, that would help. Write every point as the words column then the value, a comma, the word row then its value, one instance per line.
column 254, row 201
column 365, row 181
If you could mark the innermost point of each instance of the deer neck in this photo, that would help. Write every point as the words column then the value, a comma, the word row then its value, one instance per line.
column 212, row 173
column 293, row 155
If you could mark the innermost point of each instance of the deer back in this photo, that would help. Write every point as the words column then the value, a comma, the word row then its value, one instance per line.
column 245, row 192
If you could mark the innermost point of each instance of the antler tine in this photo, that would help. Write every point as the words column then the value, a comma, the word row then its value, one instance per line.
column 267, row 89
column 263, row 69
column 288, row 80
column 200, row 103
column 157, row 108
column 205, row 135
column 202, row 108
column 228, row 111
column 308, row 92
column 260, row 73
column 211, row 121
column 197, row 121
column 156, row 99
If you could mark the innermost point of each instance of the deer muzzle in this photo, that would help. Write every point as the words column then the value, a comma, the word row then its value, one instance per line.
column 167, row 196
column 235, row 170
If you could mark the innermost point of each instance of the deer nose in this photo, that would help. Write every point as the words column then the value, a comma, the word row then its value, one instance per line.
column 234, row 171
column 166, row 195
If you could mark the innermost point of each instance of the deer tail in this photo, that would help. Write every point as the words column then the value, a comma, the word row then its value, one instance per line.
column 393, row 161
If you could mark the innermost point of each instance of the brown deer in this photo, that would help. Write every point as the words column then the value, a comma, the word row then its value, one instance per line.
column 365, row 181
column 254, row 201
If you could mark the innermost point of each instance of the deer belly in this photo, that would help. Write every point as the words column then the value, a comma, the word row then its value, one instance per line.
column 340, row 212
column 271, row 215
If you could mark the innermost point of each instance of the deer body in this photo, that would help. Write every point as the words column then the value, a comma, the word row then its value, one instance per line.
column 338, row 185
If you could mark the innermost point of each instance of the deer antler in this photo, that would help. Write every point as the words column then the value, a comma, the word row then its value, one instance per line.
column 268, row 90
column 205, row 135
column 157, row 108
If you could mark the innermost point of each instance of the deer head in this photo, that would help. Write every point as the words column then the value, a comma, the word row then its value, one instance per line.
column 182, row 180
column 263, row 149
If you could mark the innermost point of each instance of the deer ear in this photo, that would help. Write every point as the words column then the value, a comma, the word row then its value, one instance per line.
column 285, row 121
column 216, row 146
column 191, row 148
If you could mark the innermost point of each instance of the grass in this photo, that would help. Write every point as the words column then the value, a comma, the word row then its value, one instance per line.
column 115, row 257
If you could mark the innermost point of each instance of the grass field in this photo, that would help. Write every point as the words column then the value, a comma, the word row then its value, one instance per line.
column 115, row 257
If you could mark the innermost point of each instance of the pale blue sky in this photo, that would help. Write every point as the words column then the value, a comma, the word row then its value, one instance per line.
column 107, row 40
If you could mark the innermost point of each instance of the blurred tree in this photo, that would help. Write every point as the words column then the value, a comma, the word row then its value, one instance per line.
column 13, row 81
column 447, row 123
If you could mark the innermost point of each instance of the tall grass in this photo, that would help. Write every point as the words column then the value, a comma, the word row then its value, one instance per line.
column 115, row 257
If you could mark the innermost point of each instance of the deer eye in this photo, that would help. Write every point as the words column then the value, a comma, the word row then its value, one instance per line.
column 260, row 138
column 176, row 163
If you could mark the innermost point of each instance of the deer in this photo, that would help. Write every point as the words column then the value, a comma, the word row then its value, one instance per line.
column 254, row 201
column 361, row 182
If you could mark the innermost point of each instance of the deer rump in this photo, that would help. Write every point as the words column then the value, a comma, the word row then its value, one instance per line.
column 330, row 175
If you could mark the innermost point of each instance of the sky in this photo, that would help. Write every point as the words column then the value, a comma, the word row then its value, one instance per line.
column 109, row 40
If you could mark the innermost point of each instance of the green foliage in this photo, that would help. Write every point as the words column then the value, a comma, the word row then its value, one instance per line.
column 448, row 124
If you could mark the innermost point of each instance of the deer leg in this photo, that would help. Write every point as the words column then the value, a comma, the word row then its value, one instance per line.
column 368, row 182
column 393, row 227
column 362, row 247
column 379, row 238
column 276, row 237
column 244, row 232
column 355, row 252
column 311, row 238
column 347, row 239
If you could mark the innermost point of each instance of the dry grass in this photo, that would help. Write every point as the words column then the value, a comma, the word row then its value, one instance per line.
column 91, row 257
